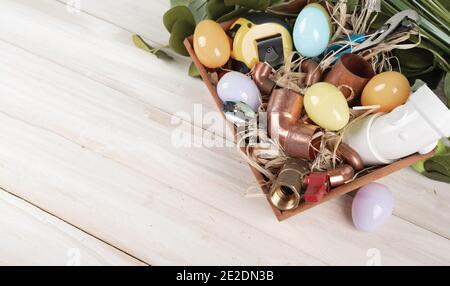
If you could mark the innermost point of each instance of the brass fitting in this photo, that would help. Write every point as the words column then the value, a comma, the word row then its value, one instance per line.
column 286, row 192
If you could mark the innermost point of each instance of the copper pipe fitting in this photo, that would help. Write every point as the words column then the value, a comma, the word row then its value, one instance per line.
column 286, row 192
column 351, row 74
column 295, row 137
column 341, row 175
column 350, row 156
column 312, row 70
column 261, row 78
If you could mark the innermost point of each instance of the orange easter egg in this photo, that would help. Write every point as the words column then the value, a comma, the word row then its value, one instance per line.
column 211, row 44
column 387, row 89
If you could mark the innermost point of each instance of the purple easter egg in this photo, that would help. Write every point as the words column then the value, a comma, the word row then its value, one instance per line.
column 235, row 86
column 372, row 207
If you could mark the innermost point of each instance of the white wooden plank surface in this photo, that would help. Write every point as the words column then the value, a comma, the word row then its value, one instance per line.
column 111, row 53
column 29, row 236
column 139, row 168
column 141, row 16
column 420, row 200
column 140, row 215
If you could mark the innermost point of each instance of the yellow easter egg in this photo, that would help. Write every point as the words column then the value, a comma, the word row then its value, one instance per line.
column 387, row 89
column 327, row 106
column 211, row 44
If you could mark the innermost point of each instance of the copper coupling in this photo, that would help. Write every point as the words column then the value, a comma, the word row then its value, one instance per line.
column 287, row 191
column 351, row 74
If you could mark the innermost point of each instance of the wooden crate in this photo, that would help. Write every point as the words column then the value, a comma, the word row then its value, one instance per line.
column 336, row 192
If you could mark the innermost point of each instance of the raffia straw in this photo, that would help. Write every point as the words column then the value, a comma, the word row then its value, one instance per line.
column 324, row 159
column 290, row 76
column 394, row 44
column 339, row 11
column 256, row 152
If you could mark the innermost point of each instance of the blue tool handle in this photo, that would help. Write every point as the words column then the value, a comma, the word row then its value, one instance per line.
column 355, row 38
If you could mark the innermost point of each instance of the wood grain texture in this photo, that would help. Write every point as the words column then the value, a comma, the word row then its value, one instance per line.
column 413, row 203
column 30, row 236
column 111, row 162
column 87, row 136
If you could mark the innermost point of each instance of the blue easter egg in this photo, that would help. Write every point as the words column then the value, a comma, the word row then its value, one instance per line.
column 312, row 30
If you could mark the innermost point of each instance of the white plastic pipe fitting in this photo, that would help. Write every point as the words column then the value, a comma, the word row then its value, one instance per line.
column 416, row 126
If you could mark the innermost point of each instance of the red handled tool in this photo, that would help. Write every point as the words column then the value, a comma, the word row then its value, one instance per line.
column 318, row 185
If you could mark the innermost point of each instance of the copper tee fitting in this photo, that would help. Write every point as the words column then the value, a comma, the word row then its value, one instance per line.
column 286, row 192
column 261, row 78
column 295, row 137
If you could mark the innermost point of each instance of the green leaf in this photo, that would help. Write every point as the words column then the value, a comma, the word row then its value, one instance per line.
column 434, row 13
column 180, row 31
column 420, row 166
column 217, row 8
column 437, row 177
column 435, row 35
column 415, row 59
column 289, row 8
column 198, row 9
column 443, row 3
column 439, row 164
column 193, row 71
column 379, row 21
column 278, row 2
column 175, row 14
column 174, row 3
column 251, row 4
column 432, row 78
column 352, row 5
column 438, row 54
column 140, row 43
column 235, row 14
column 447, row 88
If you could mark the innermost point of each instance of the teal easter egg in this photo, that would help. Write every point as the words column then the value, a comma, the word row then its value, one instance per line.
column 312, row 30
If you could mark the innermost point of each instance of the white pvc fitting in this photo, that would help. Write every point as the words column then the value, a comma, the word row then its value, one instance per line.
column 413, row 127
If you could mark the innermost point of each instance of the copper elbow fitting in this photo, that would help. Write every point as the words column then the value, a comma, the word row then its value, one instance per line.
column 312, row 70
column 350, row 156
column 286, row 192
column 341, row 175
column 351, row 74
column 295, row 137
column 261, row 78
